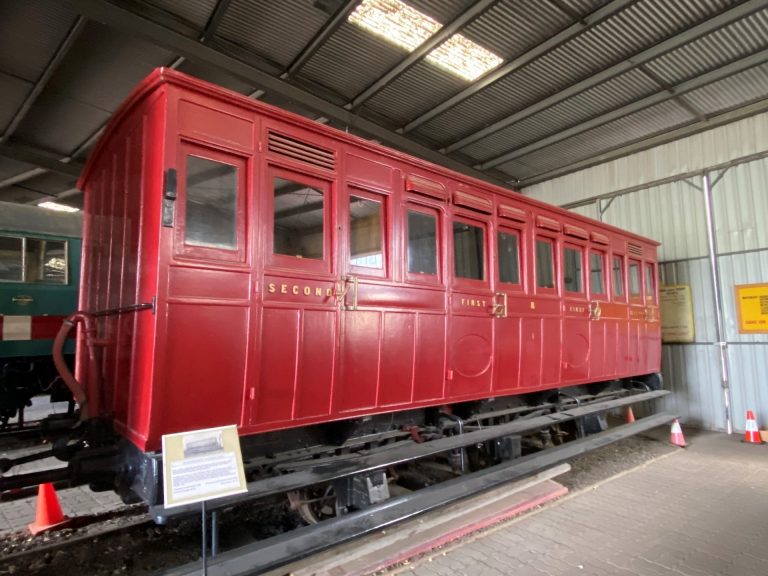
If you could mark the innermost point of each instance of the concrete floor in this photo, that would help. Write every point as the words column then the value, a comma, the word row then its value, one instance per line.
column 701, row 511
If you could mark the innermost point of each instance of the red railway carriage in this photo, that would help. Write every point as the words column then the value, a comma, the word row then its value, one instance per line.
column 299, row 275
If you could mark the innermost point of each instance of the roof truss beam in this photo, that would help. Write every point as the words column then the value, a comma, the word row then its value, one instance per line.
column 41, row 158
column 123, row 19
column 718, row 21
column 656, row 98
column 622, row 151
column 524, row 59
column 320, row 38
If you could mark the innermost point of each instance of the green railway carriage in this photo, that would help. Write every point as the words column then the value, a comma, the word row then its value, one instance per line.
column 39, row 278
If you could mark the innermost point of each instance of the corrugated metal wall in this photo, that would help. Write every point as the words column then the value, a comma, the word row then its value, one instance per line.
column 674, row 213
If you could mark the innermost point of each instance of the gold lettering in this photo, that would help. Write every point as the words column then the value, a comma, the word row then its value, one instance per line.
column 272, row 287
column 295, row 289
column 318, row 291
column 283, row 288
column 307, row 290
column 329, row 292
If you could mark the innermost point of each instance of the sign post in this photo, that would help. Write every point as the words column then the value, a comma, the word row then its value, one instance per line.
column 202, row 465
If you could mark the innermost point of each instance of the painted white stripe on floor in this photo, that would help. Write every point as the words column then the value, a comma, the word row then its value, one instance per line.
column 17, row 327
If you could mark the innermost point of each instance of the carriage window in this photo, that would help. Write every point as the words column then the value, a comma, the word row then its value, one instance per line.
column 545, row 270
column 422, row 243
column 33, row 260
column 365, row 233
column 572, row 276
column 634, row 279
column 509, row 258
column 45, row 261
column 468, row 251
column 11, row 259
column 649, row 287
column 596, row 280
column 299, row 219
column 211, row 204
column 618, row 276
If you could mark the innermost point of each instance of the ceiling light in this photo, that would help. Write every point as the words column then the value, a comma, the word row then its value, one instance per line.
column 408, row 28
column 58, row 207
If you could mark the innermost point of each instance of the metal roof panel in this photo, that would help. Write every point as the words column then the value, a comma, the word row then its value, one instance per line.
column 351, row 60
column 744, row 37
column 14, row 91
column 589, row 104
column 736, row 90
column 30, row 33
column 653, row 120
column 510, row 27
column 277, row 31
column 196, row 12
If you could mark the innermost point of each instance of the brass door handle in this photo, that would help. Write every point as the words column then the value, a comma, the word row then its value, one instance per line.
column 341, row 290
column 500, row 308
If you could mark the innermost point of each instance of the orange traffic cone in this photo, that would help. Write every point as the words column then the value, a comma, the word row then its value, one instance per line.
column 676, row 435
column 752, row 434
column 630, row 415
column 49, row 513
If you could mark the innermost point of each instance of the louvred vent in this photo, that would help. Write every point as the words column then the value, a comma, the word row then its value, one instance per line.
column 635, row 249
column 301, row 151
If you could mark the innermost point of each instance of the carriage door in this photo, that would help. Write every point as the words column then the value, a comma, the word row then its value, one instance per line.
column 598, row 301
column 472, row 310
column 373, row 365
column 636, row 315
column 576, row 322
column 299, row 305
column 209, row 277
column 652, row 320
column 510, row 301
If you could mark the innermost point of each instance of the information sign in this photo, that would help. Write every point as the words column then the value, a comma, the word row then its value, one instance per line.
column 676, row 313
column 202, row 465
column 752, row 308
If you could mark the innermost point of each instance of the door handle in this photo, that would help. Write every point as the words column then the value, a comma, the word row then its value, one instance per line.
column 595, row 311
column 22, row 299
column 500, row 308
column 342, row 288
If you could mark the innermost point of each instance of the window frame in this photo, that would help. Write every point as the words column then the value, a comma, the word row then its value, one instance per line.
column 640, row 297
column 543, row 290
column 622, row 298
column 383, row 201
column 438, row 278
column 519, row 232
column 24, row 279
column 286, row 261
column 484, row 225
column 650, row 297
column 604, row 297
column 182, row 250
column 581, row 249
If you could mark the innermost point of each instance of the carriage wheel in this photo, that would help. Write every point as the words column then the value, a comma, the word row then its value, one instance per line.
column 314, row 504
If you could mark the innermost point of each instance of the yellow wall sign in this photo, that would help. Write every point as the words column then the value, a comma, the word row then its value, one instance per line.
column 752, row 308
column 202, row 465
column 676, row 313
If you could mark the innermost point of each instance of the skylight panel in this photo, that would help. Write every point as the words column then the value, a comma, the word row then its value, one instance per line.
column 408, row 28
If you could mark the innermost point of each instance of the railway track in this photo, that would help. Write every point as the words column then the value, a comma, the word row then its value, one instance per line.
column 272, row 553
column 320, row 467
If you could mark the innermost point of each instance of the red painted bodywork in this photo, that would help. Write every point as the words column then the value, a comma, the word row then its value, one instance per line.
column 262, row 340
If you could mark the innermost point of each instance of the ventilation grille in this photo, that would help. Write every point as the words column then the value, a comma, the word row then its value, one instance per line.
column 635, row 249
column 301, row 151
